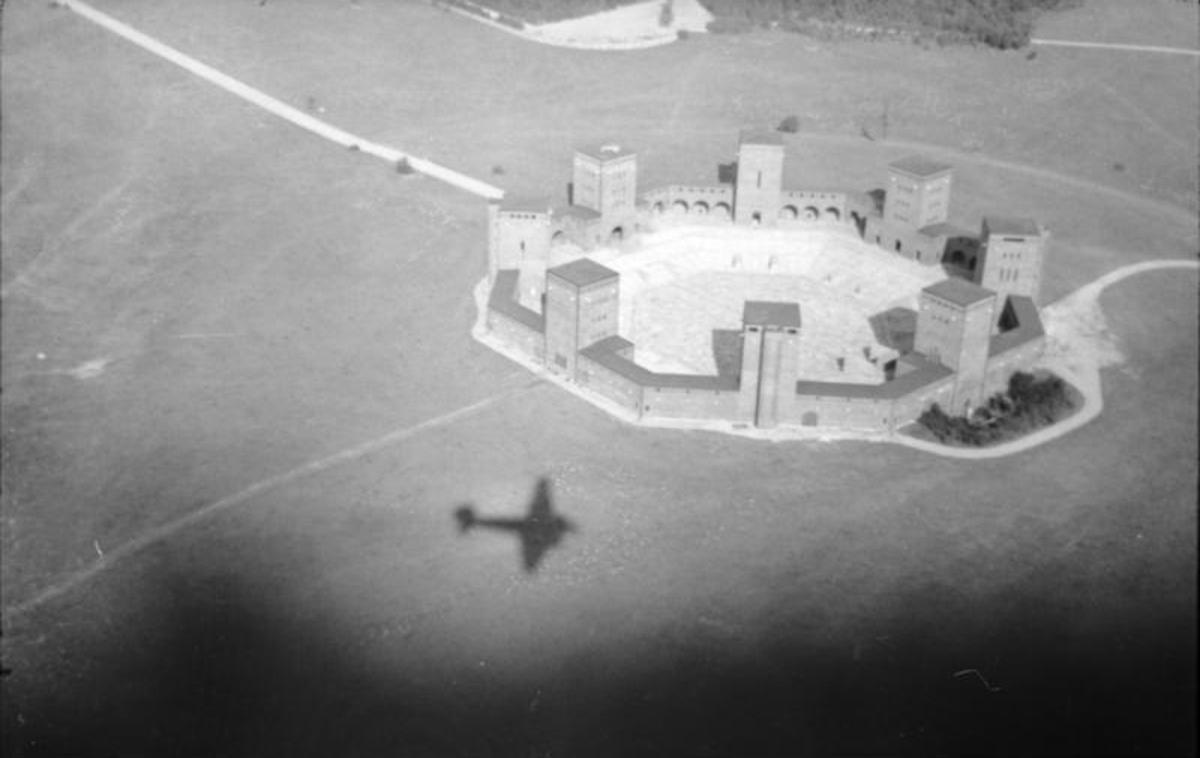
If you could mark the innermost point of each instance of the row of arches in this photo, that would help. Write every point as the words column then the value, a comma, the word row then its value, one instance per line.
column 724, row 211
column 809, row 213
column 696, row 208
column 615, row 236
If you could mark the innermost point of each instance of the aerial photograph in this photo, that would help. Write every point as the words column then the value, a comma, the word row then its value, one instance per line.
column 588, row 378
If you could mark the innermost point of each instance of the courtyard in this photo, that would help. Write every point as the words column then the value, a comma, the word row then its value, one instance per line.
column 683, row 288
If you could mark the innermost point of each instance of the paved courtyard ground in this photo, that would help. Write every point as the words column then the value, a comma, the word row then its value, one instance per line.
column 680, row 284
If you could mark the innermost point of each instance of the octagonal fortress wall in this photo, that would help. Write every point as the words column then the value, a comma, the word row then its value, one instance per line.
column 569, row 287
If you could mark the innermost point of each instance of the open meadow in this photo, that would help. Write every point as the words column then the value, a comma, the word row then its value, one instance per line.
column 209, row 311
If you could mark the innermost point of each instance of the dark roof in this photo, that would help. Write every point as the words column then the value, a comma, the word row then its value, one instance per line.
column 946, row 230
column 578, row 211
column 605, row 354
column 920, row 371
column 583, row 272
column 503, row 299
column 763, row 313
column 919, row 165
column 524, row 204
column 1029, row 326
column 605, row 151
column 1025, row 227
column 959, row 291
column 760, row 137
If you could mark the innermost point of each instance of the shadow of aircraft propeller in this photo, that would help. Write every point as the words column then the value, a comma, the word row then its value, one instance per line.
column 540, row 530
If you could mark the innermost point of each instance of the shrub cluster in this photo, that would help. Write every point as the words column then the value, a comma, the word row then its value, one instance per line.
column 998, row 23
column 1030, row 403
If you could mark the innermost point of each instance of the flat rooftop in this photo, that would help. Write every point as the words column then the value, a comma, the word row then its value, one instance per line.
column 1024, row 227
column 576, row 211
column 760, row 137
column 920, row 166
column 524, row 204
column 765, row 313
column 959, row 291
column 605, row 151
column 583, row 272
column 946, row 230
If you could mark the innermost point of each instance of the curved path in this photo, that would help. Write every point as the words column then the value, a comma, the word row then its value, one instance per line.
column 1067, row 355
column 1076, row 363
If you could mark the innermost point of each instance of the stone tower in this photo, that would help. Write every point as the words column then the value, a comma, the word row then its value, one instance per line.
column 770, row 361
column 759, row 178
column 519, row 233
column 605, row 181
column 918, row 193
column 954, row 327
column 582, row 307
column 1011, row 256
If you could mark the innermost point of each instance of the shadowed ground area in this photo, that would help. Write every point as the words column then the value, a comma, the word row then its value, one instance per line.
column 220, row 300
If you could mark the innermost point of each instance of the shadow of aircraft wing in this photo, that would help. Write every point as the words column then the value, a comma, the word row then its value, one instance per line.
column 534, row 545
column 540, row 508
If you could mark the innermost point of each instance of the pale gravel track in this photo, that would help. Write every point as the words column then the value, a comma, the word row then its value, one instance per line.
column 1115, row 46
column 109, row 559
column 280, row 108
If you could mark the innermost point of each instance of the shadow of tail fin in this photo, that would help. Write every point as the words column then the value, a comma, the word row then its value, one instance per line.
column 465, row 517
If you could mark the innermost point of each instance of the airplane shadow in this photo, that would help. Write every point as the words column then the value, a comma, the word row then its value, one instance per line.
column 540, row 530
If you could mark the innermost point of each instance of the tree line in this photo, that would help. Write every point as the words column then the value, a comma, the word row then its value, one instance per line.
column 997, row 23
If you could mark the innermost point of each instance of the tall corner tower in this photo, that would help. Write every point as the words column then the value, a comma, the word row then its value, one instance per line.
column 954, row 327
column 1012, row 253
column 582, row 307
column 605, row 180
column 519, row 233
column 759, row 178
column 770, row 361
column 918, row 194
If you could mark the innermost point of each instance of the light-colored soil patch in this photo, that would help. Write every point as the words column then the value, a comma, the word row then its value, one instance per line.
column 628, row 27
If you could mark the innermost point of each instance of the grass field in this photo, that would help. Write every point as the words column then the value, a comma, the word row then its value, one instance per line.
column 220, row 299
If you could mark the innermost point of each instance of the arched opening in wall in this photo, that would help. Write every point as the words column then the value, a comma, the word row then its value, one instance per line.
column 558, row 238
column 833, row 213
column 809, row 419
column 618, row 234
column 679, row 206
column 755, row 218
column 722, row 210
column 811, row 213
column 700, row 208
column 659, row 208
column 958, row 257
column 860, row 223
column 971, row 264
column 789, row 212
column 899, row 247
